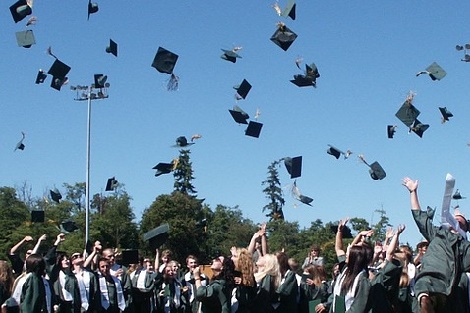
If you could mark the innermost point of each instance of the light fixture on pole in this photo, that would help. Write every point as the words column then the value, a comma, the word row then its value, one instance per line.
column 97, row 91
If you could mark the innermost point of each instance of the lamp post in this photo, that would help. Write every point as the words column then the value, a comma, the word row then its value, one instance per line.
column 96, row 91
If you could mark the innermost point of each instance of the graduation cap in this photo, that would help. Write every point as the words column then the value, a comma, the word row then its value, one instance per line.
column 41, row 77
column 20, row 145
column 299, row 196
column 58, row 70
column 157, row 236
column 253, row 129
column 112, row 48
column 309, row 78
column 419, row 128
column 100, row 81
column 434, row 71
column 92, row 8
column 111, row 184
column 129, row 257
column 391, row 130
column 283, row 36
column 457, row 195
column 163, row 168
column 293, row 166
column 19, row 10
column 55, row 195
column 407, row 113
column 68, row 226
column 25, row 38
column 239, row 115
column 346, row 231
column 182, row 141
column 337, row 152
column 445, row 114
column 165, row 62
column 37, row 216
column 375, row 169
column 231, row 55
column 243, row 89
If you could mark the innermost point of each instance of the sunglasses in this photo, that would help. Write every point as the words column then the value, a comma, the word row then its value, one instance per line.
column 75, row 256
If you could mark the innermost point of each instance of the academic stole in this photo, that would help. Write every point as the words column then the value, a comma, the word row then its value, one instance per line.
column 105, row 295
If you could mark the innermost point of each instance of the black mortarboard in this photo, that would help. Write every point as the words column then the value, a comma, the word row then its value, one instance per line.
column 457, row 195
column 55, row 195
column 130, row 257
column 283, row 37
column 92, row 8
column 434, row 71
column 230, row 55
column 111, row 184
column 302, row 81
column 41, row 77
column 376, row 171
column 346, row 231
column 239, row 115
column 164, row 61
column 253, row 129
column 57, row 83
column 19, row 10
column 100, row 80
column 25, row 38
column 157, row 236
column 243, row 89
column 182, row 141
column 59, row 69
column 37, row 216
column 68, row 226
column 112, row 48
column 391, row 130
column 289, row 10
column 407, row 113
column 163, row 168
column 445, row 114
column 293, row 166
column 334, row 152
column 419, row 128
column 306, row 200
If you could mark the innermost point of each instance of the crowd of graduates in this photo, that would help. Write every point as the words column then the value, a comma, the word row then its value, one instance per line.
column 369, row 276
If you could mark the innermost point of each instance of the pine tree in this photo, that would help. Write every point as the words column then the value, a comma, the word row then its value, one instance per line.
column 183, row 174
column 273, row 192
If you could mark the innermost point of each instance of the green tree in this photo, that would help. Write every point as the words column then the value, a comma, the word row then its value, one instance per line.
column 380, row 227
column 359, row 224
column 76, row 194
column 273, row 192
column 183, row 174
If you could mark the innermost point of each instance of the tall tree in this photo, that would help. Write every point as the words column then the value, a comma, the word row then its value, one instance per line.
column 183, row 174
column 380, row 227
column 273, row 192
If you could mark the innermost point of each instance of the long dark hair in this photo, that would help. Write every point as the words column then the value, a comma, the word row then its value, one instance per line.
column 35, row 264
column 227, row 273
column 357, row 262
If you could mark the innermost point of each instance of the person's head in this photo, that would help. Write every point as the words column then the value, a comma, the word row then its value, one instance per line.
column 191, row 262
column 62, row 260
column 104, row 266
column 422, row 246
column 76, row 259
column 216, row 267
column 283, row 261
column 293, row 264
column 148, row 264
column 28, row 253
column 463, row 223
column 169, row 272
column 6, row 276
column 314, row 251
column 227, row 273
column 109, row 255
column 245, row 266
column 166, row 256
column 35, row 264
column 407, row 253
column 174, row 265
column 335, row 270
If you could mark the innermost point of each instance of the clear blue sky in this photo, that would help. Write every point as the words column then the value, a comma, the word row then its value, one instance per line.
column 367, row 53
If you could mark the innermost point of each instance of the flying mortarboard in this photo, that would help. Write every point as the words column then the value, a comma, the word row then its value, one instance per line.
column 68, row 226
column 407, row 112
column 239, row 115
column 457, row 195
column 20, row 145
column 293, row 166
column 309, row 78
column 243, row 89
column 58, row 70
column 182, row 141
column 445, row 114
column 230, row 55
column 157, row 236
column 337, row 152
column 100, row 80
column 419, row 128
column 299, row 196
column 163, row 168
column 130, row 257
column 19, row 10
column 92, row 8
column 346, row 231
column 164, row 61
column 253, row 129
column 391, row 130
column 55, row 195
column 283, row 36
column 434, row 71
column 111, row 183
column 112, row 48
column 41, row 77
column 25, row 38
column 375, row 169
column 37, row 216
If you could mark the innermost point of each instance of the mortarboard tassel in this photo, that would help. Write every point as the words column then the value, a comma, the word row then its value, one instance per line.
column 173, row 83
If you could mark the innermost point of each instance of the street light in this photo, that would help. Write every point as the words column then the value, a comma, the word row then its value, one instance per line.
column 97, row 91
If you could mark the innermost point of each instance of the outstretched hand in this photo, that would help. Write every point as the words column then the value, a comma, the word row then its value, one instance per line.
column 411, row 185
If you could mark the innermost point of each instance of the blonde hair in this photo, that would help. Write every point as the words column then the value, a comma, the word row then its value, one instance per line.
column 271, row 268
column 6, row 276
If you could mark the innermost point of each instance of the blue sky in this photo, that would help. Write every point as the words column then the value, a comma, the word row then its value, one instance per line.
column 367, row 53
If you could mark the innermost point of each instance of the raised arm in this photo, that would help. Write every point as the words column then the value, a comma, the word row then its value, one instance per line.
column 412, row 186
column 157, row 261
column 339, row 238
column 38, row 244
column 91, row 259
column 361, row 235
column 20, row 244
column 394, row 243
